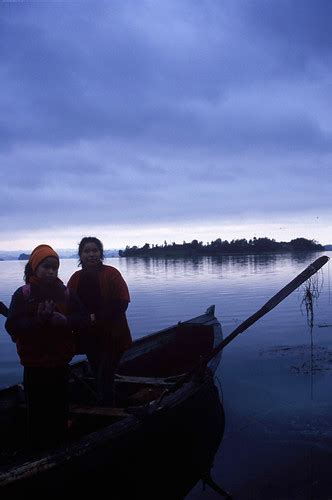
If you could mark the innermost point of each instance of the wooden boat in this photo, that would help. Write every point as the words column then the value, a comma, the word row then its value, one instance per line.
column 157, row 442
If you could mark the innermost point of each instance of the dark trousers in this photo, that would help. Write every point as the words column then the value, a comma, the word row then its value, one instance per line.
column 104, row 365
column 103, row 361
column 46, row 392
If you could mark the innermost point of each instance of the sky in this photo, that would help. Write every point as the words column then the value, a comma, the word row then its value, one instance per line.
column 142, row 121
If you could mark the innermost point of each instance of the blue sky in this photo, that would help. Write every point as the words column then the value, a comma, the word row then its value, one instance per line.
column 140, row 121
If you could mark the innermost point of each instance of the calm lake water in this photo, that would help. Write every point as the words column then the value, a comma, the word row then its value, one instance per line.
column 275, row 378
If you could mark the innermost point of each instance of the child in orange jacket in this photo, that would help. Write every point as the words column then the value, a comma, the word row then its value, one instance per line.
column 42, row 318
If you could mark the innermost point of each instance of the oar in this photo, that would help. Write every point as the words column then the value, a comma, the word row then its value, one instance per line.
column 269, row 305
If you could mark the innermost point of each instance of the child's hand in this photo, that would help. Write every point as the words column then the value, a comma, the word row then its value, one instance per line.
column 45, row 310
column 58, row 319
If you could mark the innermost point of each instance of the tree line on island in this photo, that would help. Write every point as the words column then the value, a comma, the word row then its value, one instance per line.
column 220, row 247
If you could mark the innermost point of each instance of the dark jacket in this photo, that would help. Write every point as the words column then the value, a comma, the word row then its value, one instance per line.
column 44, row 345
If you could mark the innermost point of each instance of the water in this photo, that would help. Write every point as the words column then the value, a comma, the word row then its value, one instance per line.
column 275, row 378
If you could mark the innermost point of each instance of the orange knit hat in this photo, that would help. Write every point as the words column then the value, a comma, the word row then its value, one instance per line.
column 40, row 253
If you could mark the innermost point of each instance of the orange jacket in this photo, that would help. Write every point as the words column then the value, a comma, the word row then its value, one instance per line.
column 111, row 322
column 44, row 345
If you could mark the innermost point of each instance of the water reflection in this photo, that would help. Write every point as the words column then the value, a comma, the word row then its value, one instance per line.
column 165, row 265
column 252, row 263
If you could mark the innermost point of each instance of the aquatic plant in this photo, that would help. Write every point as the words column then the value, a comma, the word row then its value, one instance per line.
column 311, row 291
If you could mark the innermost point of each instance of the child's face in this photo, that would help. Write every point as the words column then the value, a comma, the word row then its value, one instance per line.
column 47, row 271
column 90, row 255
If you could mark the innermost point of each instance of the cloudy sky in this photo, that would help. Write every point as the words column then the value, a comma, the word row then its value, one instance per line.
column 139, row 121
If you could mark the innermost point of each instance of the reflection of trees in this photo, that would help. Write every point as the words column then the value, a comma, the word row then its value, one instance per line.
column 156, row 265
column 222, row 247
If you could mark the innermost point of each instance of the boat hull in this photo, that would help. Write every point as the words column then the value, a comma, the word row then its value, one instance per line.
column 160, row 448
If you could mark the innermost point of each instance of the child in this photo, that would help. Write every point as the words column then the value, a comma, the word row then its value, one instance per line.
column 104, row 293
column 41, row 319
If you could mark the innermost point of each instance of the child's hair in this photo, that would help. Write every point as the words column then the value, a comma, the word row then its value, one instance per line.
column 28, row 272
column 90, row 239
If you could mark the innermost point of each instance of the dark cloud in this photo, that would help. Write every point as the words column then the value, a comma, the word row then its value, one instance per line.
column 134, row 112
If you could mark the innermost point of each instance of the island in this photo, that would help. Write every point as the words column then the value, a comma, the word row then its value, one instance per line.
column 222, row 247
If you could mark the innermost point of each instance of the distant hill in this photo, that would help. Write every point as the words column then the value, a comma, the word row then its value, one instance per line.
column 72, row 254
column 23, row 256
column 65, row 253
column 111, row 253
column 327, row 247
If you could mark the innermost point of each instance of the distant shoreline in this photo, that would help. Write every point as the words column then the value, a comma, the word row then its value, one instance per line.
column 230, row 254
column 255, row 246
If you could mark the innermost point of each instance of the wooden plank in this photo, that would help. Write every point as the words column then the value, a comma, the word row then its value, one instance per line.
column 98, row 410
column 168, row 381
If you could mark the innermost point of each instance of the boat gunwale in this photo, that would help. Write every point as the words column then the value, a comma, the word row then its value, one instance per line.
column 194, row 321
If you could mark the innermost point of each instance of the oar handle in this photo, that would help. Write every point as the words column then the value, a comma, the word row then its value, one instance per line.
column 272, row 303
column 3, row 309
